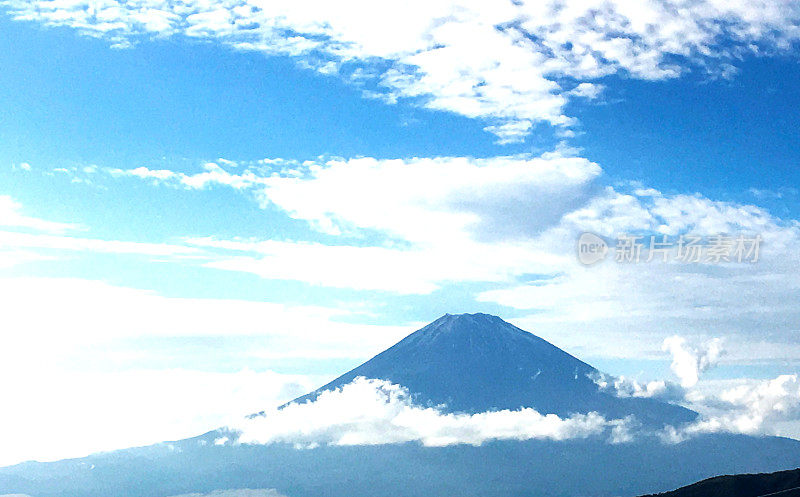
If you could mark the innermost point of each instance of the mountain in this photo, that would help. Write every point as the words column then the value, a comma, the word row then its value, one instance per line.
column 779, row 484
column 478, row 362
column 468, row 363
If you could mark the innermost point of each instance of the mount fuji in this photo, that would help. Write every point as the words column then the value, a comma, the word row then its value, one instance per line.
column 478, row 362
column 458, row 365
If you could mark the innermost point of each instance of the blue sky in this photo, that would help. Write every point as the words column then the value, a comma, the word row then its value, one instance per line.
column 220, row 189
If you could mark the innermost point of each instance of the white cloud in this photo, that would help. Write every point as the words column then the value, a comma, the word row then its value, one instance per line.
column 60, row 336
column 431, row 230
column 689, row 362
column 11, row 216
column 778, row 193
column 421, row 200
column 59, row 413
column 11, row 258
column 26, row 239
column 373, row 412
column 740, row 405
column 622, row 386
column 510, row 132
column 412, row 226
column 752, row 407
column 441, row 220
column 48, row 242
column 213, row 174
column 82, row 312
column 497, row 62
column 391, row 269
column 589, row 91
column 746, row 303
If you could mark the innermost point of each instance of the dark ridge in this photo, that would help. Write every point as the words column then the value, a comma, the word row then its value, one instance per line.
column 780, row 484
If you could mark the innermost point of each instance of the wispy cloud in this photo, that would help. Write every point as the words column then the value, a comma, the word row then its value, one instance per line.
column 11, row 215
column 81, row 312
column 778, row 193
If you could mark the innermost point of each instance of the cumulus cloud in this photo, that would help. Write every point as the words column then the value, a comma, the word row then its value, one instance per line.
column 500, row 62
column 741, row 406
column 753, row 407
column 622, row 386
column 589, row 91
column 372, row 412
column 689, row 362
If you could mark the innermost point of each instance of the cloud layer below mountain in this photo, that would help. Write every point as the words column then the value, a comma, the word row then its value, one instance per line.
column 373, row 412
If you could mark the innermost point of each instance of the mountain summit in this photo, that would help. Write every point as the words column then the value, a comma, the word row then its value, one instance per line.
column 478, row 362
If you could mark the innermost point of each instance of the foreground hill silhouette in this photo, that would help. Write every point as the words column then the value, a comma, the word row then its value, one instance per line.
column 470, row 363
column 779, row 484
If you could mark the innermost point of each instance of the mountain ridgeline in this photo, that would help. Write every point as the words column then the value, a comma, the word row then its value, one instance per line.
column 462, row 363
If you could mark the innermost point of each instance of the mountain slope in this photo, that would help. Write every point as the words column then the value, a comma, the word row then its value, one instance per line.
column 478, row 362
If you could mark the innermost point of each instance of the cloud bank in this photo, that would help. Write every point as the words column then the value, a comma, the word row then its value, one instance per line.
column 373, row 412
column 755, row 407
